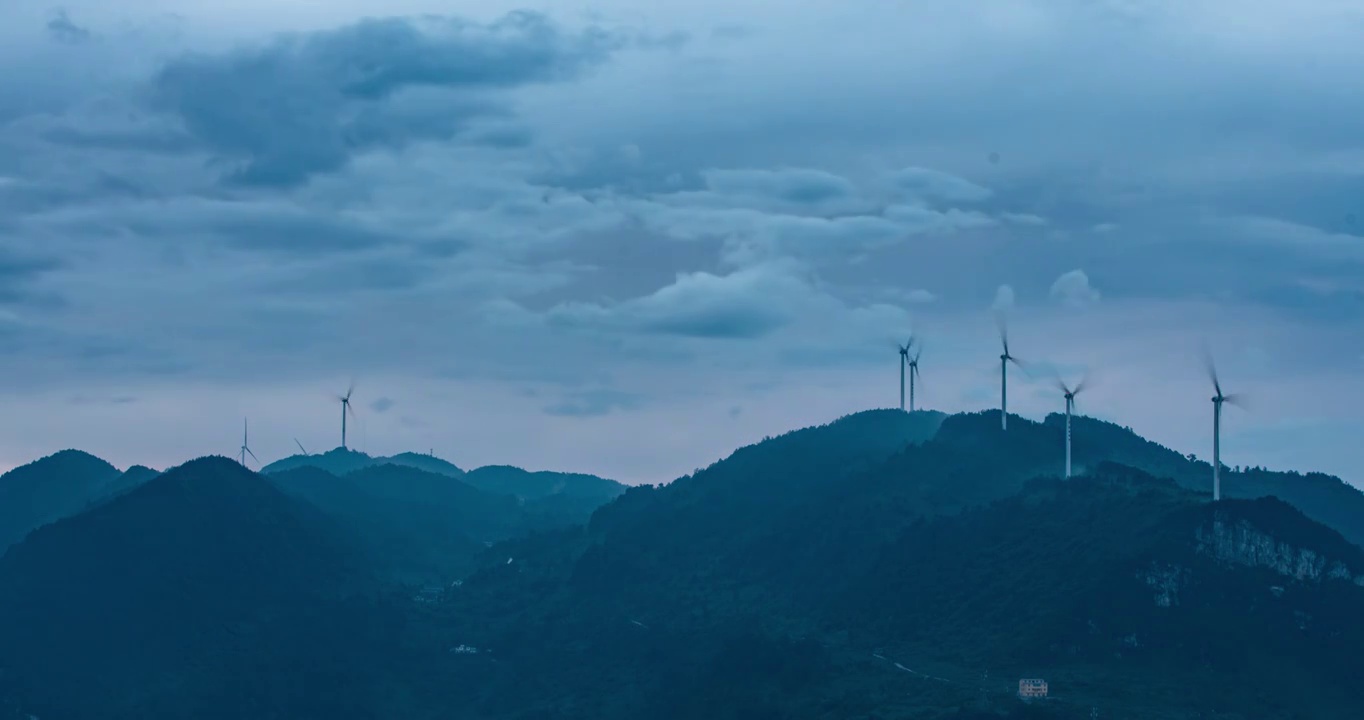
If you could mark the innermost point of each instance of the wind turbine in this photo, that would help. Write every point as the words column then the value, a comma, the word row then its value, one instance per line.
column 913, row 373
column 1217, row 401
column 246, row 450
column 345, row 408
column 1004, row 360
column 904, row 362
column 1070, row 407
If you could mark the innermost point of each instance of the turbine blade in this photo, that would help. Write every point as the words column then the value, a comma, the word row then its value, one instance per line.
column 300, row 446
column 1237, row 399
column 1062, row 385
column 253, row 455
column 919, row 354
column 1084, row 383
column 1211, row 368
column 350, row 409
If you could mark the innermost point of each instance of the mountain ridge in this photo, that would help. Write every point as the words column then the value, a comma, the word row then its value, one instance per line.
column 885, row 564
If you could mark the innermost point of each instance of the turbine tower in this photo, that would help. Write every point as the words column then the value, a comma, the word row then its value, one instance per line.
column 1004, row 359
column 904, row 362
column 1070, row 408
column 345, row 409
column 913, row 373
column 244, row 449
column 1217, row 401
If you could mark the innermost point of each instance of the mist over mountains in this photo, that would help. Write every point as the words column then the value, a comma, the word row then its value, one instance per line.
column 886, row 565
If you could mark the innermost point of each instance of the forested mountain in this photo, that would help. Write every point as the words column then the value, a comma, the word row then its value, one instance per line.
column 420, row 527
column 205, row 593
column 886, row 565
column 922, row 582
column 49, row 489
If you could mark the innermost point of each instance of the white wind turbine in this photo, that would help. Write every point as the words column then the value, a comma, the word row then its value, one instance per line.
column 1070, row 394
column 244, row 449
column 346, row 409
column 1217, row 401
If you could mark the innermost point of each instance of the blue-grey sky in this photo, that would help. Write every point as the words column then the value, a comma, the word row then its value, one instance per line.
column 627, row 238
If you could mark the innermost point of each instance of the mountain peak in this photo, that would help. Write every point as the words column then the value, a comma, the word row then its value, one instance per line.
column 49, row 489
column 69, row 458
column 341, row 461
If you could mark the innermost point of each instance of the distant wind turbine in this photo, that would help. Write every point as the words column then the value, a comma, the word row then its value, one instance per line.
column 246, row 450
column 914, row 373
column 1004, row 360
column 1070, row 408
column 1217, row 401
column 300, row 446
column 904, row 362
column 346, row 409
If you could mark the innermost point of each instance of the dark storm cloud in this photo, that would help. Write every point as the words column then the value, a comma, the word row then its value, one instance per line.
column 304, row 104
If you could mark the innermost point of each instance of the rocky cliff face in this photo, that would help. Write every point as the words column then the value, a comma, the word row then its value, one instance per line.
column 1239, row 542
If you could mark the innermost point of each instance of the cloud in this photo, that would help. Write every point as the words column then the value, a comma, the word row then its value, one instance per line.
column 928, row 184
column 1024, row 219
column 18, row 271
column 304, row 104
column 62, row 29
column 794, row 185
column 1074, row 290
column 593, row 403
column 382, row 405
column 758, row 225
column 394, row 179
column 745, row 304
column 1004, row 298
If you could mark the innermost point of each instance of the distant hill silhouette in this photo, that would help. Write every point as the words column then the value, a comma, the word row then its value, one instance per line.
column 338, row 461
column 529, row 485
column 429, row 463
column 555, row 498
column 49, row 489
column 342, row 460
column 420, row 525
column 500, row 479
column 192, row 595
column 426, row 527
column 547, row 500
column 131, row 478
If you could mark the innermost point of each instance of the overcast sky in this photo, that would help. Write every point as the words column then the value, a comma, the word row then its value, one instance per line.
column 626, row 238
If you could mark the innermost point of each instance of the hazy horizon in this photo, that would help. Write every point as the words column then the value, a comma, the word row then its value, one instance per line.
column 630, row 240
